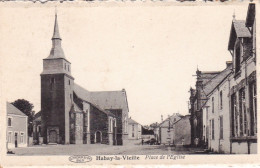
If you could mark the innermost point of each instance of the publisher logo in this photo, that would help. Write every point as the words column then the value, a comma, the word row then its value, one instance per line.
column 80, row 158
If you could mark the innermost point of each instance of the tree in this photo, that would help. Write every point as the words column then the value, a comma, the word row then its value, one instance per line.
column 27, row 108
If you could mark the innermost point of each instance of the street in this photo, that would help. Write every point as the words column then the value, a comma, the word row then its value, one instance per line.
column 101, row 149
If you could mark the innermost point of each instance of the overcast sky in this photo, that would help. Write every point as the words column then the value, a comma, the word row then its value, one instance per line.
column 150, row 51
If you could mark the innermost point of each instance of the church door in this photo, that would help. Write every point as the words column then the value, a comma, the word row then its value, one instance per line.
column 53, row 137
column 98, row 137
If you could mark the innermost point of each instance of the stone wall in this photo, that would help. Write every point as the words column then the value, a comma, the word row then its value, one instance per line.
column 98, row 122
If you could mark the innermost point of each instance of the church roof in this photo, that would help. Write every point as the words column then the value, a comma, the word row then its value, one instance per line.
column 104, row 99
column 11, row 109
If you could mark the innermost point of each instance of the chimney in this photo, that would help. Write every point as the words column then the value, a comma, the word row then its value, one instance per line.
column 229, row 63
column 162, row 118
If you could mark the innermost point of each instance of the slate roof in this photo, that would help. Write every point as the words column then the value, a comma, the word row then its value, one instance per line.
column 208, row 75
column 56, row 33
column 56, row 50
column 171, row 118
column 131, row 121
column 214, row 82
column 39, row 114
column 75, row 108
column 103, row 99
column 241, row 29
column 238, row 29
column 11, row 109
column 250, row 18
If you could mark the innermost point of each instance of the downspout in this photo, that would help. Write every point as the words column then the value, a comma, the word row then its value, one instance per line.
column 230, row 117
column 230, row 108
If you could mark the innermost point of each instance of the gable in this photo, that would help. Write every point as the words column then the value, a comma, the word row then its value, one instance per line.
column 11, row 109
column 238, row 30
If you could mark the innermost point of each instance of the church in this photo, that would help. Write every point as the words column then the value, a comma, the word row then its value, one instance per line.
column 71, row 114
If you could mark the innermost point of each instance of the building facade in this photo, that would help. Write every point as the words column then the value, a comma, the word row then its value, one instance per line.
column 134, row 129
column 243, row 95
column 71, row 114
column 175, row 129
column 17, row 131
column 230, row 110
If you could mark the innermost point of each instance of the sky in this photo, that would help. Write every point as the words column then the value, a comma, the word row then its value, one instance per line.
column 152, row 51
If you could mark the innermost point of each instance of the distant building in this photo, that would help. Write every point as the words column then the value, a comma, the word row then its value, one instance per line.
column 174, row 130
column 16, row 132
column 197, row 99
column 134, row 129
column 182, row 131
column 71, row 114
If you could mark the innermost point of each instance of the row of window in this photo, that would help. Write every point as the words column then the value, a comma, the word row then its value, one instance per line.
column 16, row 137
column 220, row 102
column 244, row 122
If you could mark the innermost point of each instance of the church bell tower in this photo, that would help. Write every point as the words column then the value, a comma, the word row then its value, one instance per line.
column 56, row 93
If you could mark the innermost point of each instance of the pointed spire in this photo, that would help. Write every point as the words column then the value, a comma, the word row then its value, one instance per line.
column 56, row 34
column 234, row 16
column 56, row 50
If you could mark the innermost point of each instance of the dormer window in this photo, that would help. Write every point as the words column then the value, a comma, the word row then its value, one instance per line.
column 68, row 67
column 65, row 66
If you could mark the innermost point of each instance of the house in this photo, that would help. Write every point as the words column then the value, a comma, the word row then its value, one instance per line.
column 230, row 110
column 175, row 129
column 70, row 114
column 216, row 112
column 16, row 132
column 134, row 129
column 243, row 95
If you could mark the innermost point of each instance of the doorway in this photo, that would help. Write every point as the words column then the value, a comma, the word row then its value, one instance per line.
column 53, row 137
column 15, row 139
column 98, row 137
